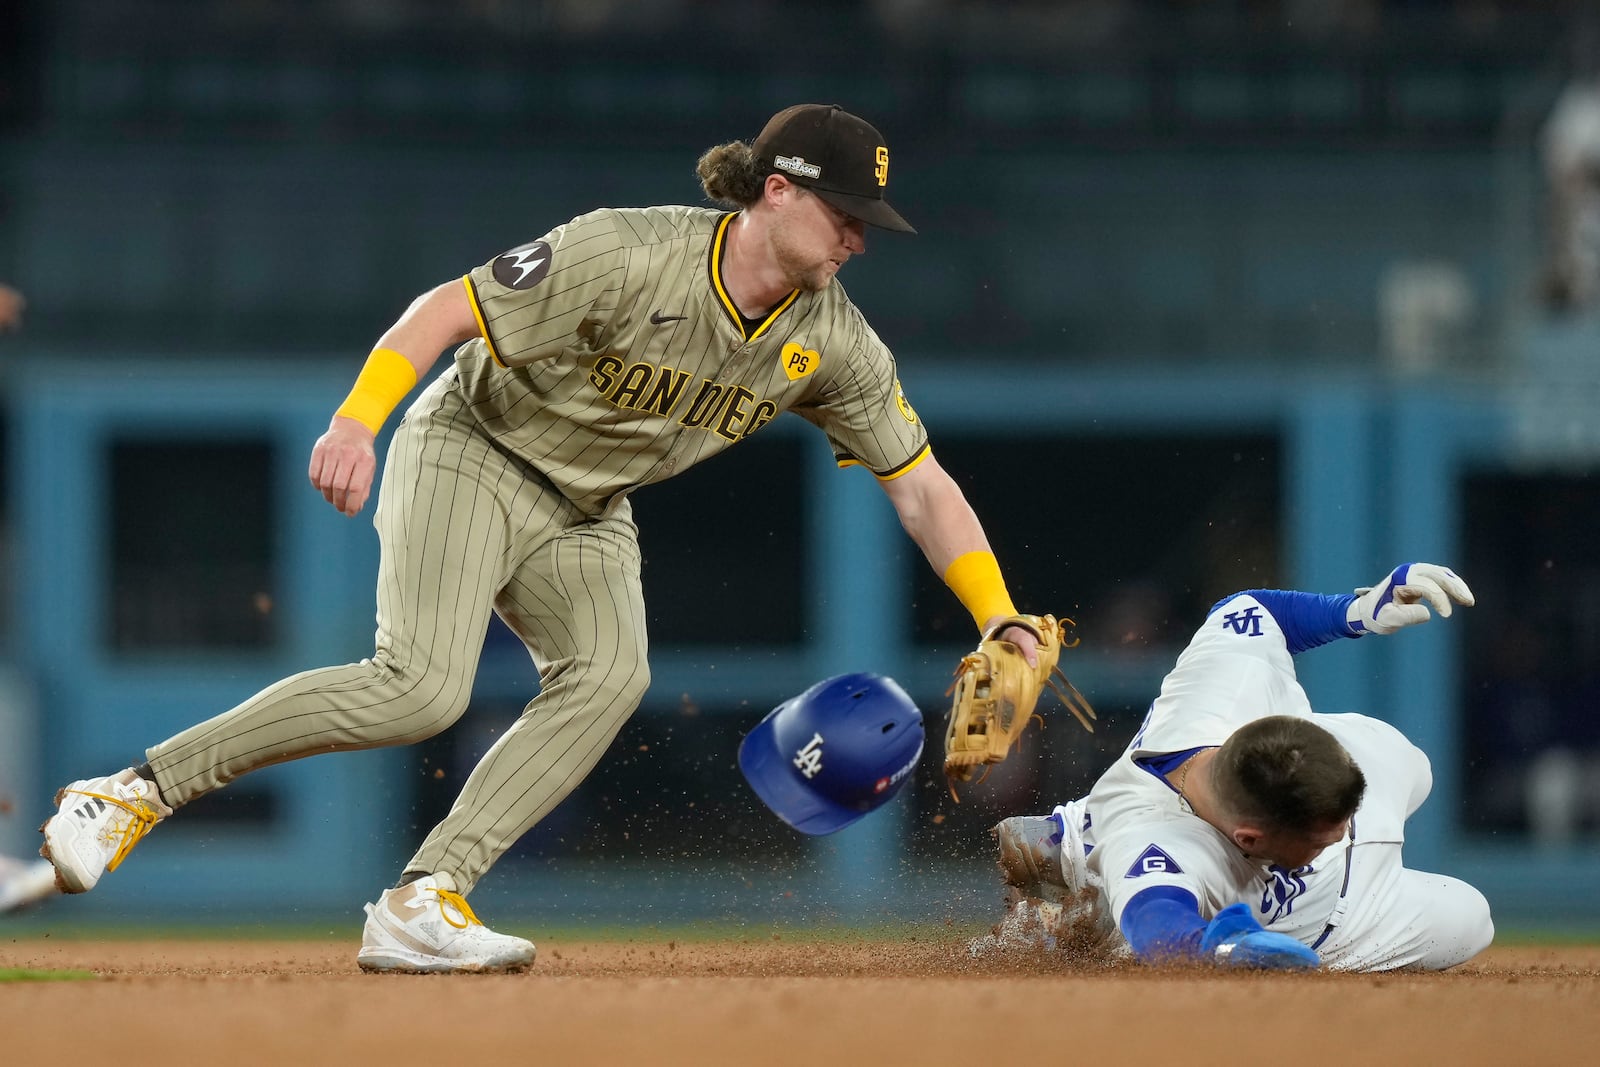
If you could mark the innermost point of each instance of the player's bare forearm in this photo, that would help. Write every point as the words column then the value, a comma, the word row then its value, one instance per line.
column 343, row 461
column 936, row 515
column 438, row 319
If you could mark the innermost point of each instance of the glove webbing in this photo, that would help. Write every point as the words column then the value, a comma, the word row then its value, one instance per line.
column 1070, row 697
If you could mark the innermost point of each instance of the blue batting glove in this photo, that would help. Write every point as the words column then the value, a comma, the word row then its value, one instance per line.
column 1403, row 598
column 1233, row 938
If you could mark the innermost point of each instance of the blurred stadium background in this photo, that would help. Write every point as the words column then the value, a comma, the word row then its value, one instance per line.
column 1208, row 295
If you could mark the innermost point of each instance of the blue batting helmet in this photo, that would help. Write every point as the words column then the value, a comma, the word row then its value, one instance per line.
column 842, row 748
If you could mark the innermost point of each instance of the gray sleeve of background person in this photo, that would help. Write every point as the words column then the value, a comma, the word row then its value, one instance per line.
column 860, row 406
column 537, row 299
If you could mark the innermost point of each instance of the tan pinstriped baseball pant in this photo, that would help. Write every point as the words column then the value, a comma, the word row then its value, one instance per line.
column 464, row 528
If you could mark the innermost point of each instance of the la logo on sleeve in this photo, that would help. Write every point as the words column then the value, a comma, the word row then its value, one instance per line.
column 1153, row 861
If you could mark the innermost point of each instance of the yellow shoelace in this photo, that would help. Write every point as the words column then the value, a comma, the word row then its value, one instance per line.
column 458, row 902
column 130, row 833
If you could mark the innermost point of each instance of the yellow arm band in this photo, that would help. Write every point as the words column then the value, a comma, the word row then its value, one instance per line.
column 383, row 382
column 975, row 580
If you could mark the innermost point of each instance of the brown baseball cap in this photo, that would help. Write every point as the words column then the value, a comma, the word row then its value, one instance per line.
column 836, row 155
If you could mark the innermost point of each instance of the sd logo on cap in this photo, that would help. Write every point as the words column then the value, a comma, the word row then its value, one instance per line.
column 839, row 156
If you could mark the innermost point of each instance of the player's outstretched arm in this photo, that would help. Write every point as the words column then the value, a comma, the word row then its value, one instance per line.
column 997, row 684
column 1401, row 599
column 1404, row 596
column 343, row 461
column 1233, row 938
column 936, row 515
column 1163, row 925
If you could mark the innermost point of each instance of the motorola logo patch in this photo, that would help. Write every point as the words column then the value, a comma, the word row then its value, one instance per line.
column 523, row 267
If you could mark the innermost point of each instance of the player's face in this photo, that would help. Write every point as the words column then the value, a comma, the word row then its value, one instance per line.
column 1293, row 850
column 812, row 239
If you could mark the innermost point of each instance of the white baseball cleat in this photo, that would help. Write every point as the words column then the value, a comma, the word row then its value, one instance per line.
column 97, row 823
column 1030, row 854
column 1054, row 902
column 1044, row 856
column 24, row 881
column 425, row 928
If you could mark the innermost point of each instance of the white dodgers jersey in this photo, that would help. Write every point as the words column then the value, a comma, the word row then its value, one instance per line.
column 1139, row 833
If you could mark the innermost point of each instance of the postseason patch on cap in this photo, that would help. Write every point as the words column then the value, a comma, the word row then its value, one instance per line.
column 523, row 267
column 798, row 166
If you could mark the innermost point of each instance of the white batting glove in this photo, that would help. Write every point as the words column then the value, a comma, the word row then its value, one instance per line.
column 1403, row 598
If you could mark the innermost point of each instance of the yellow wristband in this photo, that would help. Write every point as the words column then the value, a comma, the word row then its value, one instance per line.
column 975, row 580
column 383, row 382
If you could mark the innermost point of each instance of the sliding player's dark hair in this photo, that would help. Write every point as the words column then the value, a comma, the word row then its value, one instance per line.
column 1287, row 773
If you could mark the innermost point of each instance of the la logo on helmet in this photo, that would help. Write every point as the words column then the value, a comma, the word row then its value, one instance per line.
column 838, row 751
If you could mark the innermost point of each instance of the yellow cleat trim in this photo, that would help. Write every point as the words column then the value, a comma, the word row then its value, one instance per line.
column 144, row 817
column 458, row 902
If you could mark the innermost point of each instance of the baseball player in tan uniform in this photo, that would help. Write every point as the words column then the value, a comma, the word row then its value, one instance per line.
column 615, row 351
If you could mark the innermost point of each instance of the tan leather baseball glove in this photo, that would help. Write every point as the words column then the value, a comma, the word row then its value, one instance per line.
column 995, row 693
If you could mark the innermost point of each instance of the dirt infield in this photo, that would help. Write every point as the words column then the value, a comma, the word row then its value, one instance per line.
column 777, row 1002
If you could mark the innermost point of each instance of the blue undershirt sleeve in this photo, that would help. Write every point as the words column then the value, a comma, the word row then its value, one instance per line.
column 1306, row 619
column 1163, row 923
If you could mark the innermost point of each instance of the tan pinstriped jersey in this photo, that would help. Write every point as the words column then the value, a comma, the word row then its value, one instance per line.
column 612, row 358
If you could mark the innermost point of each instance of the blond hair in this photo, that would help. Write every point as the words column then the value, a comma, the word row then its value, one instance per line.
column 731, row 174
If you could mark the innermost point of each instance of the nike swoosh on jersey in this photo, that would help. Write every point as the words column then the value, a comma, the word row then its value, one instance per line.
column 657, row 318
